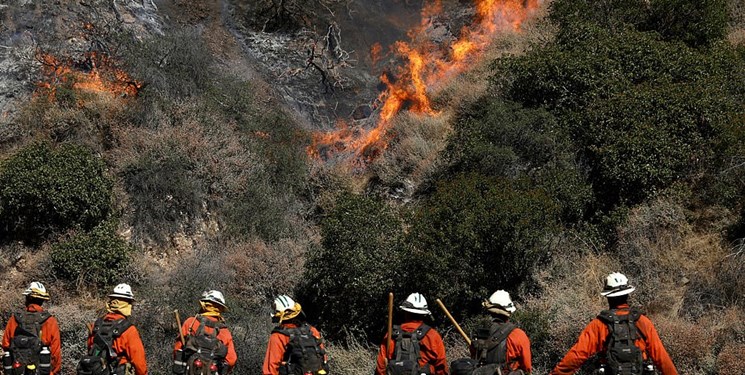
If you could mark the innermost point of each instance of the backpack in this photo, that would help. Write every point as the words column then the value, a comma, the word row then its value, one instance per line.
column 407, row 352
column 622, row 357
column 303, row 353
column 102, row 359
column 490, row 346
column 26, row 346
column 203, row 349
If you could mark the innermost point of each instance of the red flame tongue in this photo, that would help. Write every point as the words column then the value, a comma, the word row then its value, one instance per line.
column 427, row 66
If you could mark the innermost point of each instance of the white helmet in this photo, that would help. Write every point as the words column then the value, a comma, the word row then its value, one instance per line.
column 123, row 291
column 286, row 308
column 214, row 296
column 617, row 284
column 500, row 300
column 415, row 303
column 36, row 290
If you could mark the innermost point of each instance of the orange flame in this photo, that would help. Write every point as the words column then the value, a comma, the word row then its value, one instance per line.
column 96, row 73
column 427, row 67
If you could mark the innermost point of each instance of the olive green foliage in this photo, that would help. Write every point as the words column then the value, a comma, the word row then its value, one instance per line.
column 500, row 139
column 46, row 190
column 694, row 22
column 359, row 262
column 476, row 234
column 645, row 111
column 97, row 257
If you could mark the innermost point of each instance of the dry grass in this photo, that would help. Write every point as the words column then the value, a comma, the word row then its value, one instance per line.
column 737, row 23
column 413, row 155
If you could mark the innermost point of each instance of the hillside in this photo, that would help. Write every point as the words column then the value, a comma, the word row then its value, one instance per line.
column 339, row 150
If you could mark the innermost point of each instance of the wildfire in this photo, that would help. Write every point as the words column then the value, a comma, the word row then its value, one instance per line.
column 428, row 65
column 96, row 73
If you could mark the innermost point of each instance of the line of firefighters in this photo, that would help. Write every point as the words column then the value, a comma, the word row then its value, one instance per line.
column 624, row 340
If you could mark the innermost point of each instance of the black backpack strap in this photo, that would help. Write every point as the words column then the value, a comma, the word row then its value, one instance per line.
column 422, row 331
column 30, row 322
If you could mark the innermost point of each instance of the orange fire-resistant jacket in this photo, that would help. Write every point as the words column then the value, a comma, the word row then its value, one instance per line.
column 275, row 350
column 190, row 327
column 128, row 346
column 518, row 351
column 592, row 341
column 50, row 336
column 431, row 347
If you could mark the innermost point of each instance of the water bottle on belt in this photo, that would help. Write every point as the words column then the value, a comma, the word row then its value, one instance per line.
column 45, row 361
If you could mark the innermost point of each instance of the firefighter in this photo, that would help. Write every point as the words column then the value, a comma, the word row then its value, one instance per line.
column 206, row 333
column 294, row 345
column 32, row 337
column 127, row 344
column 502, row 343
column 401, row 355
column 621, row 329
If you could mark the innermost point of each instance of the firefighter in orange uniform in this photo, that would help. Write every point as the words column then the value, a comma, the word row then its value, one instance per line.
column 294, row 345
column 212, row 306
column 401, row 357
column 20, row 327
column 639, row 332
column 127, row 344
column 515, row 357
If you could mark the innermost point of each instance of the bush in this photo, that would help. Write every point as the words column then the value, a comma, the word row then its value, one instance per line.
column 500, row 139
column 348, row 278
column 97, row 257
column 46, row 190
column 476, row 234
column 635, row 150
column 166, row 192
column 695, row 22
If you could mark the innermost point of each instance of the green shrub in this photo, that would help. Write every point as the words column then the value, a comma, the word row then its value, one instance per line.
column 348, row 278
column 694, row 22
column 477, row 234
column 46, row 190
column 500, row 139
column 97, row 257
column 635, row 149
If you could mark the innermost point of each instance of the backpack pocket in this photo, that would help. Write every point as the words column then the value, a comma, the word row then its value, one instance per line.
column 489, row 369
column 463, row 366
column 92, row 365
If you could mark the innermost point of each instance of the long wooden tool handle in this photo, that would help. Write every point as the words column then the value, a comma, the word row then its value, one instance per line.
column 452, row 320
column 390, row 325
column 180, row 332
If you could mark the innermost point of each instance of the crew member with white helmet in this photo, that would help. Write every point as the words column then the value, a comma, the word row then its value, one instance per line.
column 431, row 357
column 33, row 317
column 127, row 344
column 294, row 346
column 209, row 322
column 635, row 327
column 502, row 344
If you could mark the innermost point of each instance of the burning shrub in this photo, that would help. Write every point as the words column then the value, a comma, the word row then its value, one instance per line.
column 97, row 257
column 347, row 279
column 44, row 190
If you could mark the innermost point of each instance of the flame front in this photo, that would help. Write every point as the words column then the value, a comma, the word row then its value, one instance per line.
column 96, row 73
column 428, row 66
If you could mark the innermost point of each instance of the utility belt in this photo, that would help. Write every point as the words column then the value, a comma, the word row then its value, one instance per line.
column 648, row 368
column 193, row 363
column 15, row 365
